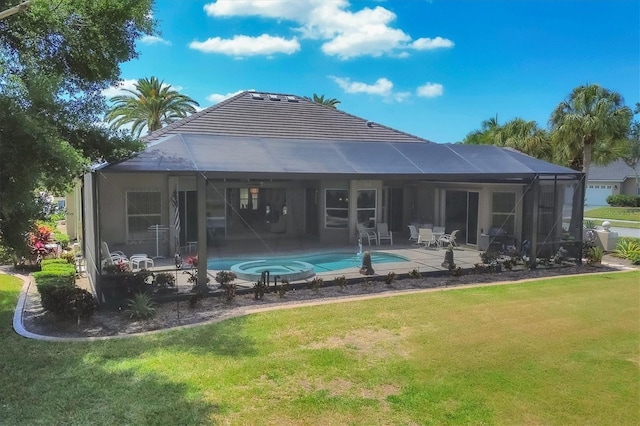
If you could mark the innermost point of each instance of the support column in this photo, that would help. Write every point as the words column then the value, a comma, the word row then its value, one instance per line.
column 534, row 224
column 201, row 186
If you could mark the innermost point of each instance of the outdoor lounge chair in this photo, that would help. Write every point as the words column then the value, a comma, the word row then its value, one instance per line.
column 425, row 236
column 111, row 257
column 384, row 233
column 447, row 239
column 367, row 233
column 413, row 233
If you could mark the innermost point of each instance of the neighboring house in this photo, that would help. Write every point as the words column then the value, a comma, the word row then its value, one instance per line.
column 612, row 179
column 265, row 167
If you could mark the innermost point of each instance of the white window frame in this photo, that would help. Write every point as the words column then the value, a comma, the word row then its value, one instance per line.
column 498, row 218
column 374, row 208
column 140, row 236
column 344, row 225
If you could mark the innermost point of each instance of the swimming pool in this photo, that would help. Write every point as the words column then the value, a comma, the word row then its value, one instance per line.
column 321, row 262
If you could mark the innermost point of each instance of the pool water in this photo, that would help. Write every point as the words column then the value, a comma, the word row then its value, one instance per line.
column 322, row 262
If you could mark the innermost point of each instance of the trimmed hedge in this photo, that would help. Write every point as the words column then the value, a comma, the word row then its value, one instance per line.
column 68, row 302
column 47, row 262
column 623, row 200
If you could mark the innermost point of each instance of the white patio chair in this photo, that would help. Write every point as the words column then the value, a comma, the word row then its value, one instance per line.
column 438, row 231
column 140, row 261
column 367, row 233
column 413, row 233
column 447, row 239
column 384, row 233
column 425, row 236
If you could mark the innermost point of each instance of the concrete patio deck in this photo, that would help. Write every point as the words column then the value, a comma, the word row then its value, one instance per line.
column 423, row 259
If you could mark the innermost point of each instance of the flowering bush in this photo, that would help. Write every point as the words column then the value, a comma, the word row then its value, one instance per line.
column 118, row 266
column 38, row 239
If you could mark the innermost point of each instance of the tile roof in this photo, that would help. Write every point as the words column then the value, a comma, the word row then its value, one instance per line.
column 282, row 116
column 616, row 171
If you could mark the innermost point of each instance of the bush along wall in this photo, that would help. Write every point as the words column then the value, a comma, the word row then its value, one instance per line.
column 58, row 292
column 622, row 200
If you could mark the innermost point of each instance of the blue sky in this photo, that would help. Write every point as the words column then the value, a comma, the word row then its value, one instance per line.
column 435, row 69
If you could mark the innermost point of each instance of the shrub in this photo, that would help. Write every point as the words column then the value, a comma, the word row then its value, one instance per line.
column 627, row 248
column 635, row 258
column 67, row 302
column 259, row 289
column 489, row 256
column 164, row 280
column 594, row 255
column 56, row 276
column 315, row 284
column 225, row 279
column 390, row 278
column 414, row 273
column 283, row 288
column 141, row 306
column 46, row 262
column 590, row 224
column 623, row 200
column 340, row 281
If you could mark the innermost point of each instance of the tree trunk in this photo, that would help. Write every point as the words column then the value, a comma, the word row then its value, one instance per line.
column 587, row 149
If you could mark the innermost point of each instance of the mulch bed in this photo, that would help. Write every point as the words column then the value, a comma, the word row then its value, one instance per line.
column 179, row 313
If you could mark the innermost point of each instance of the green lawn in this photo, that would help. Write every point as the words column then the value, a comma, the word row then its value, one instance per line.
column 614, row 213
column 562, row 351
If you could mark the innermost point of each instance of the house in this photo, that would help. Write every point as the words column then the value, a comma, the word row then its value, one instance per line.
column 615, row 178
column 265, row 167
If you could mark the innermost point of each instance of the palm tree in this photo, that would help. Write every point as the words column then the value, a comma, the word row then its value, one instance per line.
column 152, row 104
column 525, row 136
column 591, row 124
column 330, row 102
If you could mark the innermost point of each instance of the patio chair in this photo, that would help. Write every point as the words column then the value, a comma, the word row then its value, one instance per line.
column 140, row 261
column 384, row 233
column 449, row 239
column 111, row 257
column 425, row 236
column 367, row 233
column 438, row 231
column 413, row 233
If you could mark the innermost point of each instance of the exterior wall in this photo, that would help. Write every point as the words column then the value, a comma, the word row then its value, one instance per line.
column 112, row 190
column 630, row 187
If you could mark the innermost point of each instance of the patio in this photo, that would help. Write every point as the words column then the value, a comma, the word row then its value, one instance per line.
column 425, row 260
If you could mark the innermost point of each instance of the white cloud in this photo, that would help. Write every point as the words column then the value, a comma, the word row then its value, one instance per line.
column 241, row 45
column 214, row 98
column 346, row 34
column 432, row 43
column 430, row 90
column 278, row 9
column 149, row 39
column 382, row 87
column 119, row 89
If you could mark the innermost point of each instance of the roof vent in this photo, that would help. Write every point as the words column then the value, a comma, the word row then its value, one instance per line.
column 292, row 99
column 274, row 97
column 256, row 96
column 369, row 123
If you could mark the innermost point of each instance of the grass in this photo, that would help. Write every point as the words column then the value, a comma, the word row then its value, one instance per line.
column 563, row 351
column 614, row 213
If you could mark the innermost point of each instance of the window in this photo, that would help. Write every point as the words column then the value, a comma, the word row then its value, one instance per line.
column 336, row 208
column 503, row 216
column 144, row 209
column 249, row 198
column 366, row 207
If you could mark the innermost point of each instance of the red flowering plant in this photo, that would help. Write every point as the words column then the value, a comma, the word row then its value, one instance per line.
column 192, row 261
column 37, row 241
